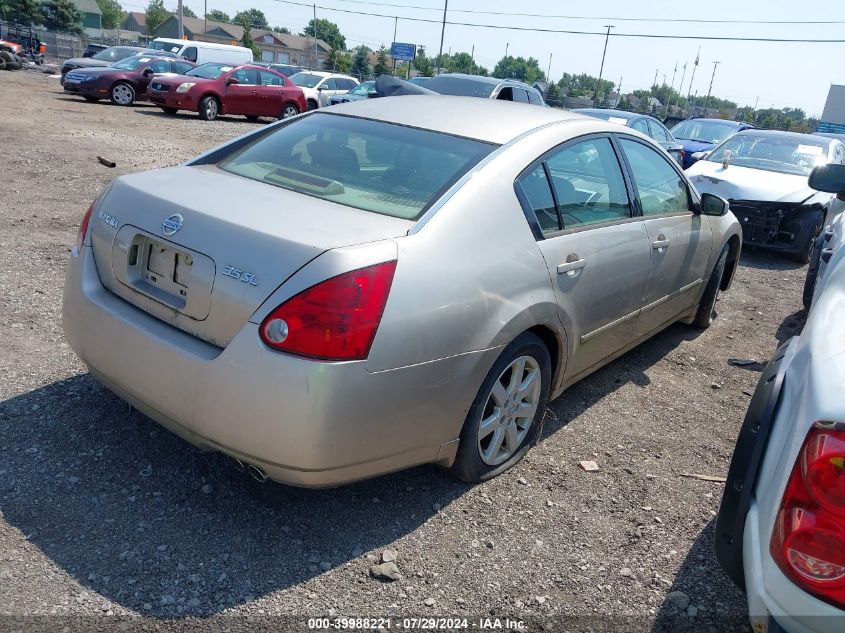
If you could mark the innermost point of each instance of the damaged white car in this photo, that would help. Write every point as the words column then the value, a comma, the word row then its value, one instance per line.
column 763, row 174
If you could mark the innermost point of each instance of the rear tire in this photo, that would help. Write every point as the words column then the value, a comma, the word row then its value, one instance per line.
column 707, row 306
column 252, row 118
column 508, row 409
column 290, row 109
column 209, row 108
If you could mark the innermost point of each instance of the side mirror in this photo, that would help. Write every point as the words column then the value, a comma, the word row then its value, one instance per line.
column 231, row 81
column 321, row 87
column 714, row 205
column 828, row 178
column 147, row 72
column 700, row 155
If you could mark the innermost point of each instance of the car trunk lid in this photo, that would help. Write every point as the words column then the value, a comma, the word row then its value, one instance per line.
column 202, row 249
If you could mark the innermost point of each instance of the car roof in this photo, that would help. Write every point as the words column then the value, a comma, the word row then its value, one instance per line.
column 495, row 81
column 489, row 120
column 612, row 112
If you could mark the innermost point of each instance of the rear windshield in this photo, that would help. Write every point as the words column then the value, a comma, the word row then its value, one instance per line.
column 165, row 46
column 115, row 53
column 460, row 87
column 370, row 165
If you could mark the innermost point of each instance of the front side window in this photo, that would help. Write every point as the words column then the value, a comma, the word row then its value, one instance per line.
column 588, row 183
column 537, row 191
column 660, row 187
column 160, row 66
column 182, row 67
column 190, row 54
column 370, row 165
column 131, row 63
column 329, row 84
column 520, row 95
column 246, row 76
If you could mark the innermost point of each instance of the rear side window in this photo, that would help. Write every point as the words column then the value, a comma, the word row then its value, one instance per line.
column 371, row 165
column 661, row 189
column 641, row 125
column 536, row 188
column 520, row 94
column 246, row 76
column 329, row 84
column 658, row 132
column 270, row 79
column 160, row 66
column 588, row 183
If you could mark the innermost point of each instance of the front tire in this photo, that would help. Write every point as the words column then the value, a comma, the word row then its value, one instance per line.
column 209, row 108
column 506, row 417
column 312, row 105
column 122, row 94
column 706, row 313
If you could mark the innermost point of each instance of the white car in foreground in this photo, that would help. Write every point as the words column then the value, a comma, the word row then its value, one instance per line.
column 780, row 532
column 319, row 87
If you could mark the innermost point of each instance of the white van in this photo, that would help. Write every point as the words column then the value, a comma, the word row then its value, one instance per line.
column 203, row 52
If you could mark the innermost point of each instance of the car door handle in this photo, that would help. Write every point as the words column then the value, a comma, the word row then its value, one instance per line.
column 571, row 267
column 658, row 244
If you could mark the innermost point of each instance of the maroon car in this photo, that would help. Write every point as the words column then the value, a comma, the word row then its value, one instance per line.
column 125, row 81
column 214, row 89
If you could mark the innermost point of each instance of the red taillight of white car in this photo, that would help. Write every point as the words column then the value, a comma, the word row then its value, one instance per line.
column 83, row 227
column 808, row 539
column 335, row 320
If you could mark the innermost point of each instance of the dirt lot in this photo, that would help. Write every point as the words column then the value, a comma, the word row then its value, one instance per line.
column 105, row 513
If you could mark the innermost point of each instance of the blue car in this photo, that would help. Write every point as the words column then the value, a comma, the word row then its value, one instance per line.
column 648, row 125
column 364, row 90
column 702, row 135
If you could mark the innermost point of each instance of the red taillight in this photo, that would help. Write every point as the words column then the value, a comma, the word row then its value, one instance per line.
column 335, row 320
column 808, row 539
column 83, row 227
column 681, row 156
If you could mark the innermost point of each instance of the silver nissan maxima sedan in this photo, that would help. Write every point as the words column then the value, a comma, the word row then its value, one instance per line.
column 393, row 282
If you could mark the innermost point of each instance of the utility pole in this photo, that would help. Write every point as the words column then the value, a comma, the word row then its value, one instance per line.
column 507, row 44
column 472, row 61
column 619, row 91
column 671, row 88
column 656, row 70
column 181, row 26
column 205, row 19
column 710, row 89
column 681, row 85
column 442, row 34
column 601, row 70
column 316, row 59
column 395, row 26
column 692, row 78
column 549, row 71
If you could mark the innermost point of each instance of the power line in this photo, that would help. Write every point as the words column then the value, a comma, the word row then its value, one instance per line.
column 574, row 32
column 585, row 17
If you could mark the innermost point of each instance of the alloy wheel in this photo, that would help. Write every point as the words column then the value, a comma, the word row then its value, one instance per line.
column 509, row 410
column 211, row 109
column 289, row 111
column 123, row 94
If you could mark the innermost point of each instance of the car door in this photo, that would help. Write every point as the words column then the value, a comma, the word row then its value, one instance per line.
column 271, row 91
column 680, row 239
column 596, row 250
column 157, row 67
column 242, row 97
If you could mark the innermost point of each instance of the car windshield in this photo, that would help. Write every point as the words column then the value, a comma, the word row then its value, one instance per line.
column 460, row 87
column 363, row 89
column 165, row 46
column 115, row 53
column 371, row 165
column 131, row 63
column 209, row 71
column 704, row 131
column 306, row 80
column 782, row 154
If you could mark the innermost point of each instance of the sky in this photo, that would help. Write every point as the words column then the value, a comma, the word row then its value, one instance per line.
column 770, row 74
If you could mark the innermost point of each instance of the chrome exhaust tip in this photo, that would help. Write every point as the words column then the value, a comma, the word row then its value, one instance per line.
column 235, row 463
column 256, row 473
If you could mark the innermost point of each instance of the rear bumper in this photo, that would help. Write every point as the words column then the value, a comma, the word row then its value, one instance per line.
column 304, row 422
column 774, row 602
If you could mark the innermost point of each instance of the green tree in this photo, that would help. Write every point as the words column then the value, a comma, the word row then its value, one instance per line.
column 23, row 11
column 328, row 32
column 62, row 15
column 527, row 70
column 463, row 63
column 246, row 40
column 553, row 94
column 155, row 14
column 112, row 13
column 218, row 16
column 360, row 64
column 281, row 29
column 256, row 18
column 383, row 64
column 187, row 12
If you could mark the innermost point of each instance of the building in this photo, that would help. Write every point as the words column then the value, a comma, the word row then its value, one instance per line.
column 833, row 116
column 92, row 17
column 135, row 21
column 279, row 48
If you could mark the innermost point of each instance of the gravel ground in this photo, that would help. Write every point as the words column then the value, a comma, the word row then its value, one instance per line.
column 104, row 513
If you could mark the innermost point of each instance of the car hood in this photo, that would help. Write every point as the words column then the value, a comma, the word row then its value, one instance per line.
column 86, row 62
column 743, row 183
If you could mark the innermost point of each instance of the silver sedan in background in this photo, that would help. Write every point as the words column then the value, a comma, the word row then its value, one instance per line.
column 390, row 282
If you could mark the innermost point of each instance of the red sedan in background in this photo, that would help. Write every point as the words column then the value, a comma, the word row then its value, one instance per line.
column 123, row 82
column 215, row 89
